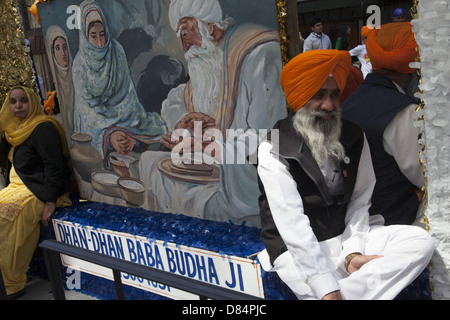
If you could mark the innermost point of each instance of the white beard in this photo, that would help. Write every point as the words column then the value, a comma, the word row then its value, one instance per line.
column 205, row 67
column 321, row 136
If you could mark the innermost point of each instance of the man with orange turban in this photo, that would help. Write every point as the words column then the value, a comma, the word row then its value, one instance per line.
column 316, row 179
column 385, row 109
column 360, row 52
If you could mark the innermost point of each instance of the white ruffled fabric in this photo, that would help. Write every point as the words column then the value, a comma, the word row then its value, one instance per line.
column 432, row 30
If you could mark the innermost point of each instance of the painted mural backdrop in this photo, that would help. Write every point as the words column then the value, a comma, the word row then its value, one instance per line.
column 164, row 102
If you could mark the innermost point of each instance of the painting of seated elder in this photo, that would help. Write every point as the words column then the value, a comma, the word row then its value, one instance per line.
column 164, row 102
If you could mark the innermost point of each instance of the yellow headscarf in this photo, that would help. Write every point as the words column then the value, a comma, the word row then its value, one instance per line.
column 17, row 131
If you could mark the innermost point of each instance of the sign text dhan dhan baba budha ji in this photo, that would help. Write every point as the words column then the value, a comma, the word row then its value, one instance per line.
column 231, row 272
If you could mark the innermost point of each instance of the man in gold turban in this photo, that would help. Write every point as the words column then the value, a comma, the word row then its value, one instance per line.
column 316, row 179
column 384, row 108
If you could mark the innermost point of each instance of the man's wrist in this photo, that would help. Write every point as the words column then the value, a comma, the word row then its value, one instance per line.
column 335, row 295
column 323, row 284
column 349, row 257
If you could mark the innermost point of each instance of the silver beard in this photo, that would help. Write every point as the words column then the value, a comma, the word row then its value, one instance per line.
column 205, row 67
column 321, row 135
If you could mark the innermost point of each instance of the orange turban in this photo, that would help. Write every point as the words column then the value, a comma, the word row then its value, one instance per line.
column 354, row 80
column 306, row 73
column 392, row 47
column 365, row 32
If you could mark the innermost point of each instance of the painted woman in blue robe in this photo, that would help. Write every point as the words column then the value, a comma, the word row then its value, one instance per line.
column 105, row 96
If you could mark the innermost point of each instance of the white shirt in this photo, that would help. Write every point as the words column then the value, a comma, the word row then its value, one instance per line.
column 401, row 140
column 361, row 53
column 315, row 41
column 293, row 225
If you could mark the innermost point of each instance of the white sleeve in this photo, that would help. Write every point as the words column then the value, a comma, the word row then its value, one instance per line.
column 401, row 140
column 293, row 225
column 357, row 217
column 355, row 51
column 307, row 45
column 174, row 108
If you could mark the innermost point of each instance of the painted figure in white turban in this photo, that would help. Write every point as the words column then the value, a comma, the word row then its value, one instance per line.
column 234, row 87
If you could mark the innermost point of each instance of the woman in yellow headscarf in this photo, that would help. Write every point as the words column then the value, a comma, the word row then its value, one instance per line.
column 38, row 182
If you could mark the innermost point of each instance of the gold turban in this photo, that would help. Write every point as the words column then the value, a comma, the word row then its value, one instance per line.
column 392, row 47
column 306, row 73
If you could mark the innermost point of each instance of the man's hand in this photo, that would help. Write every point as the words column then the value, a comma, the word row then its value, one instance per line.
column 358, row 261
column 187, row 122
column 185, row 143
column 170, row 140
column 167, row 141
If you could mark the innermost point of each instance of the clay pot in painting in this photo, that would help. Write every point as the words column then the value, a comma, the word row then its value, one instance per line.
column 85, row 158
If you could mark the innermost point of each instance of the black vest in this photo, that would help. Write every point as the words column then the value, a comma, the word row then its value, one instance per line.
column 326, row 213
column 372, row 107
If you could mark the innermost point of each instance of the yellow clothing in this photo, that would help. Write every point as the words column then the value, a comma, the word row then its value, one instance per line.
column 20, row 216
column 20, row 209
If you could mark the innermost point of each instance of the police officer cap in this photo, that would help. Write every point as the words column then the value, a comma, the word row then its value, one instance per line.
column 399, row 12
